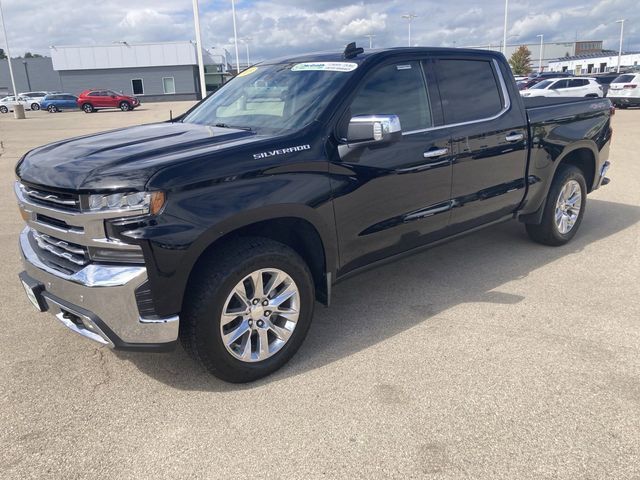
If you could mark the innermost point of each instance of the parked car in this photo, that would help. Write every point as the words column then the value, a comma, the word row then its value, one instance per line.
column 59, row 101
column 565, row 87
column 624, row 91
column 7, row 103
column 546, row 75
column 537, row 77
column 605, row 80
column 92, row 100
column 36, row 98
column 223, row 227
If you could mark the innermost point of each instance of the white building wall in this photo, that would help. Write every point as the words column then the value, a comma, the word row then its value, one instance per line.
column 579, row 66
column 125, row 55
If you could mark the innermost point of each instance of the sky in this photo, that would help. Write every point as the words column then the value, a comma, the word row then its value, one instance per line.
column 282, row 27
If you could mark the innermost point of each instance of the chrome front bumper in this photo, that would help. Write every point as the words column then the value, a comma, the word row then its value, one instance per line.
column 99, row 303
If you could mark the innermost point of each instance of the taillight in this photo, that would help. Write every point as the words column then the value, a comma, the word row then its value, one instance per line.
column 630, row 86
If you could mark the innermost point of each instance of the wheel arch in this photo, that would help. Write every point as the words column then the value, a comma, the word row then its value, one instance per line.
column 582, row 154
column 299, row 228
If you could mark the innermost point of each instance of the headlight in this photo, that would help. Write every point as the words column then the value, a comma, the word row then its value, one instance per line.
column 148, row 202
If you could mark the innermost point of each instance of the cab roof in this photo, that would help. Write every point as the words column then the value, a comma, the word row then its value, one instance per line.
column 335, row 56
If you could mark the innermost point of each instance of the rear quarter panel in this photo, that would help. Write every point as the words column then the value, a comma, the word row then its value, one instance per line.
column 557, row 130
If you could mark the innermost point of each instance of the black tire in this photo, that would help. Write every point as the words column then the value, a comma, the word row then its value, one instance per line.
column 35, row 106
column 547, row 232
column 52, row 109
column 125, row 106
column 3, row 109
column 87, row 108
column 209, row 286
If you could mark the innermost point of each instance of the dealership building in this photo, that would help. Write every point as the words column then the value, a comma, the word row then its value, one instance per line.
column 150, row 71
column 604, row 61
column 550, row 51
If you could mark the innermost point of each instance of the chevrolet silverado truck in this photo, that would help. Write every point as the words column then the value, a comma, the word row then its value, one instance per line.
column 221, row 228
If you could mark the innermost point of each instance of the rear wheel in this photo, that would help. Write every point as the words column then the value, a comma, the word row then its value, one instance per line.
column 35, row 106
column 52, row 109
column 248, row 309
column 564, row 208
column 87, row 108
column 125, row 106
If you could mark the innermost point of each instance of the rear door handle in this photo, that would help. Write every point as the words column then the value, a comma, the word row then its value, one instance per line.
column 514, row 137
column 436, row 153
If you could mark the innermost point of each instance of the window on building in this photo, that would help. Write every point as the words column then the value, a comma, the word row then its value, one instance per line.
column 137, row 86
column 461, row 103
column 168, row 85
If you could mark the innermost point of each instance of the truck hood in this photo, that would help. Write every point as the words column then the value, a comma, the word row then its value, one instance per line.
column 124, row 158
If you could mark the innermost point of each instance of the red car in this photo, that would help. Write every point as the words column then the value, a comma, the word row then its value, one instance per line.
column 91, row 100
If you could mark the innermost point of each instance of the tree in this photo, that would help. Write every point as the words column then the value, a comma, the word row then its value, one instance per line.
column 32, row 55
column 2, row 54
column 520, row 61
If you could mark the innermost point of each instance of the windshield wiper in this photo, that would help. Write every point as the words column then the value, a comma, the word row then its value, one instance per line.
column 224, row 125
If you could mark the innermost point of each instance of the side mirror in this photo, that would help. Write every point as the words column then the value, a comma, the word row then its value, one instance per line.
column 366, row 130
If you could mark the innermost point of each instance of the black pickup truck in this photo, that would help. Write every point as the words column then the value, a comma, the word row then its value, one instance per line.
column 222, row 227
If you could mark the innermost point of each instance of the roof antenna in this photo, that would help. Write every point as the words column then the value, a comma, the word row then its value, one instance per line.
column 351, row 51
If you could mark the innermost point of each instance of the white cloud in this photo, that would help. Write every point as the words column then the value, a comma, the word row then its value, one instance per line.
column 280, row 27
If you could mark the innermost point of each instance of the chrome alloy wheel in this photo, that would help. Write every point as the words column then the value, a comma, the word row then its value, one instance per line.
column 568, row 206
column 260, row 315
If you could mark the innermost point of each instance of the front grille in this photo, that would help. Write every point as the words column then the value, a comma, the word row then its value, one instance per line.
column 66, row 255
column 66, row 201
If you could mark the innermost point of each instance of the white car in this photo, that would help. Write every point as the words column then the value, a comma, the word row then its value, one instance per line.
column 35, row 98
column 7, row 103
column 624, row 91
column 565, row 87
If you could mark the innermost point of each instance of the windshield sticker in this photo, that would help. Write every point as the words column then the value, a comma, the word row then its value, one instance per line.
column 325, row 67
column 248, row 71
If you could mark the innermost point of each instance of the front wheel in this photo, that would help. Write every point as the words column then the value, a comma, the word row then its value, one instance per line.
column 564, row 209
column 52, row 109
column 248, row 309
column 124, row 106
column 87, row 108
column 3, row 109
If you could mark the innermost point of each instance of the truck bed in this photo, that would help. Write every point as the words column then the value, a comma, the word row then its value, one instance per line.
column 543, row 109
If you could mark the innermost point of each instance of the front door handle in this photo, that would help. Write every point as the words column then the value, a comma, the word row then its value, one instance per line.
column 436, row 153
column 514, row 137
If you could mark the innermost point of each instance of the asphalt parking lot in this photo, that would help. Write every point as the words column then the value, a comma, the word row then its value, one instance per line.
column 489, row 357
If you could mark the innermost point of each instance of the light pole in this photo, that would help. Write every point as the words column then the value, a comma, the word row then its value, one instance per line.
column 503, row 46
column 371, row 37
column 18, row 110
column 246, row 41
column 196, row 21
column 410, row 17
column 235, row 35
column 621, row 22
column 541, row 50
column 504, row 32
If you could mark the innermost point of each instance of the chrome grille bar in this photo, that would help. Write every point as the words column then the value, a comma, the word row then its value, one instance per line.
column 68, row 251
column 51, row 197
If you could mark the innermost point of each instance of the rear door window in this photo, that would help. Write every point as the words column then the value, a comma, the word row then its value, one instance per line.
column 469, row 90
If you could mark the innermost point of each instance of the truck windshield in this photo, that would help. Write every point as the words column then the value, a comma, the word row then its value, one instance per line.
column 273, row 98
